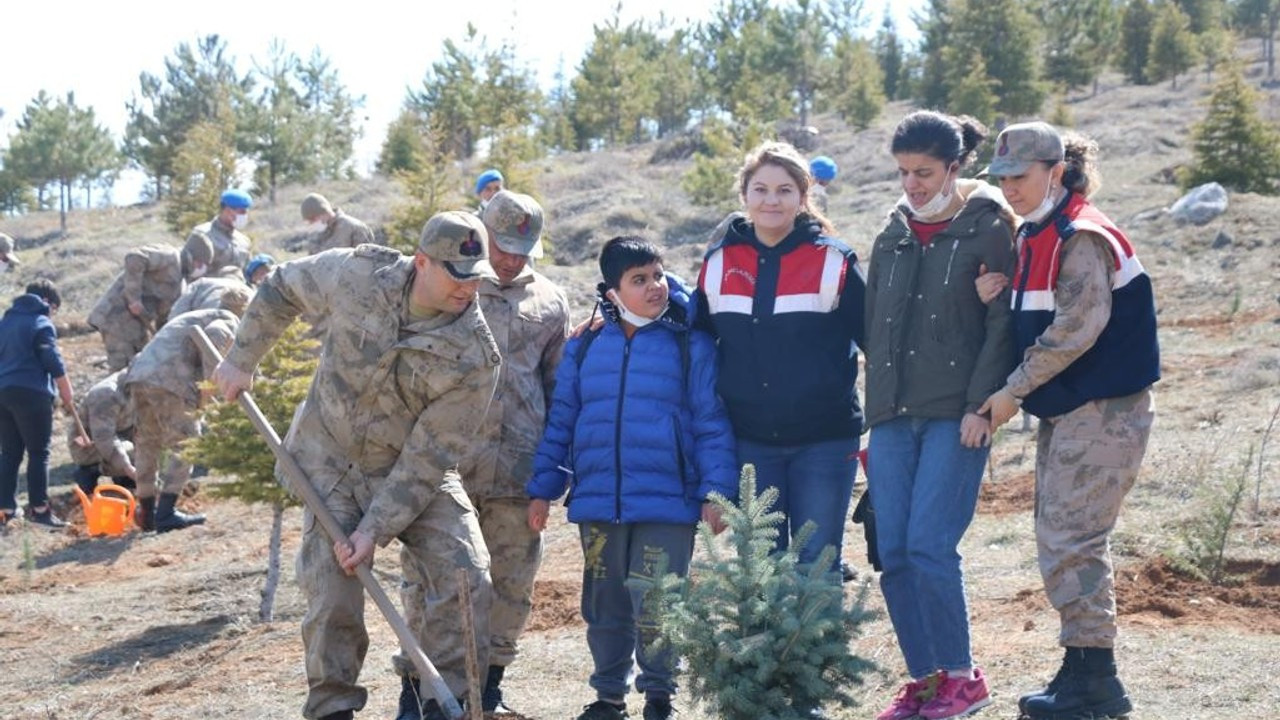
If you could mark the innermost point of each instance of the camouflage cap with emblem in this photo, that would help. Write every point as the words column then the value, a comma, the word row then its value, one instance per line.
column 6, row 250
column 516, row 222
column 1021, row 144
column 457, row 240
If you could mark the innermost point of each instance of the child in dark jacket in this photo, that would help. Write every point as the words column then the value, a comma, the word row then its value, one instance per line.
column 639, row 438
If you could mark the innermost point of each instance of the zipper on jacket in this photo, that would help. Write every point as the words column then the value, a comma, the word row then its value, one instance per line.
column 617, row 434
column 955, row 244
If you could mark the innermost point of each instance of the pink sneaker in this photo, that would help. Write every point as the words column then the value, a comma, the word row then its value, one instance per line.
column 910, row 698
column 957, row 697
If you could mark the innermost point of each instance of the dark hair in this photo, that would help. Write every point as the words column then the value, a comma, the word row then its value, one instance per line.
column 624, row 252
column 785, row 156
column 45, row 290
column 1080, row 153
column 947, row 138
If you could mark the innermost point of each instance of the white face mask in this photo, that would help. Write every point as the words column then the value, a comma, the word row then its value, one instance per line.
column 316, row 226
column 936, row 204
column 638, row 321
column 198, row 271
column 1046, row 205
column 241, row 221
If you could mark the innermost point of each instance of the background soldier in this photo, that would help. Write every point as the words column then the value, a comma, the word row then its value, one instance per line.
column 8, row 258
column 140, row 299
column 406, row 374
column 488, row 184
column 108, row 417
column 230, row 246
column 333, row 228
column 529, row 318
column 163, row 382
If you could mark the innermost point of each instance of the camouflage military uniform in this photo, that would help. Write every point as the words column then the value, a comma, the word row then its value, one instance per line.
column 343, row 232
column 1087, row 459
column 207, row 294
column 163, row 383
column 529, row 320
column 231, row 248
column 393, row 408
column 107, row 414
column 152, row 276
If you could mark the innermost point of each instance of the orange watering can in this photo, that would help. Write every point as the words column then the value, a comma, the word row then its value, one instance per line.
column 107, row 515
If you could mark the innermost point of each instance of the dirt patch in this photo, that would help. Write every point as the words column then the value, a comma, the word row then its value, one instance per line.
column 556, row 604
column 1251, row 600
column 1015, row 495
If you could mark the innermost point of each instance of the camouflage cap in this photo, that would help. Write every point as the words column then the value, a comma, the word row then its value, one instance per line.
column 6, row 249
column 236, row 299
column 457, row 240
column 516, row 222
column 315, row 205
column 1021, row 144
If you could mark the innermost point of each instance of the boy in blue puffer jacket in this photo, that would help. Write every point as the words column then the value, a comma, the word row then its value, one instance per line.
column 638, row 436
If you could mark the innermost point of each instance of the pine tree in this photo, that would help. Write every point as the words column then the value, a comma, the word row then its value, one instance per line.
column 1008, row 38
column 1234, row 145
column 1135, row 40
column 432, row 186
column 863, row 99
column 710, row 182
column 973, row 92
column 203, row 166
column 890, row 55
column 1173, row 46
column 761, row 635
column 1084, row 35
column 232, row 446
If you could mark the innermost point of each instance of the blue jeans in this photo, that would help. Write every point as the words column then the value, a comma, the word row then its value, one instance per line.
column 814, row 482
column 924, row 488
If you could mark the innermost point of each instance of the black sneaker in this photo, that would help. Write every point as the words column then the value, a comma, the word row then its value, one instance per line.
column 658, row 708
column 603, row 710
column 46, row 517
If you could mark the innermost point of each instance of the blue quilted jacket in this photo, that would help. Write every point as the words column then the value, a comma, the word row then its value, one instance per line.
column 629, row 435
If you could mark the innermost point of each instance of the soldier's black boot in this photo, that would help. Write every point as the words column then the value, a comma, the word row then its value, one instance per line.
column 1070, row 659
column 87, row 478
column 410, row 701
column 1091, row 690
column 145, row 516
column 340, row 715
column 491, row 698
column 169, row 517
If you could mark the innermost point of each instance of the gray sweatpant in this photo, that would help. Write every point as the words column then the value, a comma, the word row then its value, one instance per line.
column 619, row 626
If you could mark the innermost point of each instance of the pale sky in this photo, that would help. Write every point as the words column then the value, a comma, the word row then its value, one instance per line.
column 380, row 48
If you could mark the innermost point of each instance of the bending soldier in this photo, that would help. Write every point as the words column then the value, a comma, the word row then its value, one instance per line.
column 163, row 382
column 214, row 293
column 141, row 298
column 108, row 418
column 406, row 373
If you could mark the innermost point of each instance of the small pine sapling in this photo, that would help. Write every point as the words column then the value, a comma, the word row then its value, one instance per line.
column 761, row 635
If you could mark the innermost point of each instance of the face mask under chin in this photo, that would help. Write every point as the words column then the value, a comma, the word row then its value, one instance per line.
column 1046, row 205
column 625, row 313
column 936, row 204
column 241, row 221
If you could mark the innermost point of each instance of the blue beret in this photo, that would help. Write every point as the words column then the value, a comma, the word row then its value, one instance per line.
column 237, row 199
column 487, row 177
column 258, row 261
column 823, row 168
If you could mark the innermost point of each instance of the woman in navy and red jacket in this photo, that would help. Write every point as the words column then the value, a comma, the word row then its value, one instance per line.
column 1085, row 328
column 784, row 299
